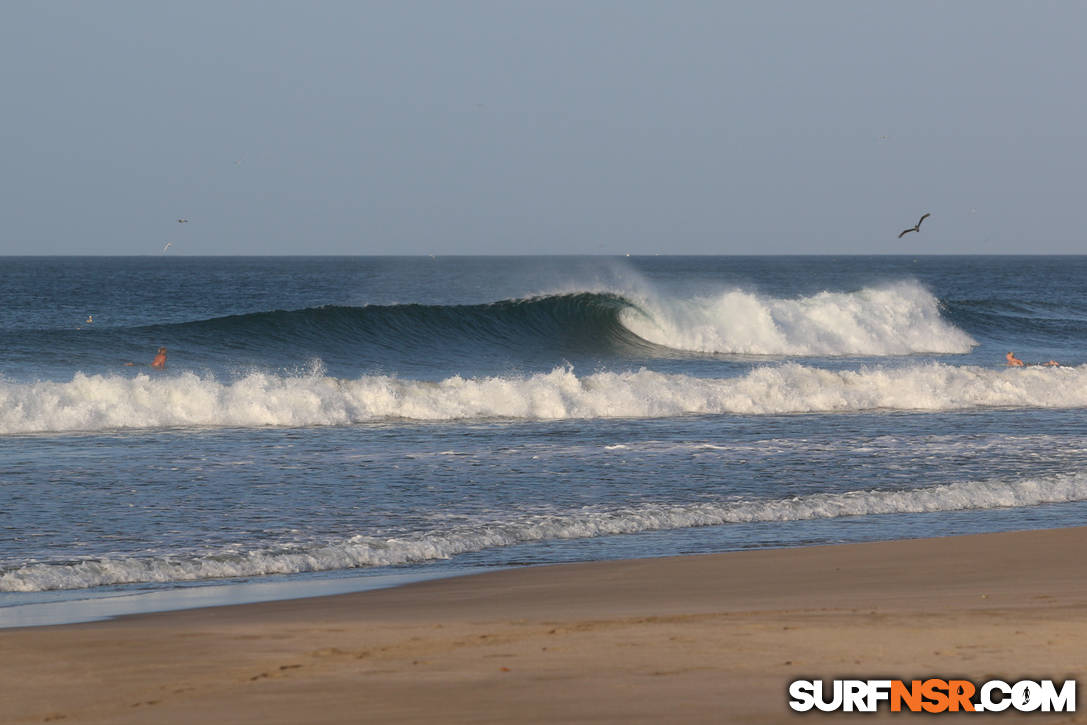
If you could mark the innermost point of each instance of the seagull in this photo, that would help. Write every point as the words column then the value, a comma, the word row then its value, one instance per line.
column 182, row 221
column 916, row 227
column 168, row 245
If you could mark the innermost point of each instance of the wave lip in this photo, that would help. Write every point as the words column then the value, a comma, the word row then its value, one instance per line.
column 367, row 551
column 95, row 402
column 896, row 319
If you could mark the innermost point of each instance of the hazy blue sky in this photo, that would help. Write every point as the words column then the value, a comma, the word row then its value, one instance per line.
column 472, row 127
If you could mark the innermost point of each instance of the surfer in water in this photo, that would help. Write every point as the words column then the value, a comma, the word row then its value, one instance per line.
column 159, row 363
column 1015, row 362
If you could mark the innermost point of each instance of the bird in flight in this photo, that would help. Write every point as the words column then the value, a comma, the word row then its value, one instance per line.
column 182, row 221
column 916, row 227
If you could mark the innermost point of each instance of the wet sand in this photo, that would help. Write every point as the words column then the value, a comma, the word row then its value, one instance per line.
column 713, row 638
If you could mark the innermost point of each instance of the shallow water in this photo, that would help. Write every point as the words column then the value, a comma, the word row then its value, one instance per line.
column 325, row 418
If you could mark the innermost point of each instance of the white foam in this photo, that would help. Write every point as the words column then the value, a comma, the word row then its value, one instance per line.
column 896, row 319
column 95, row 402
column 365, row 551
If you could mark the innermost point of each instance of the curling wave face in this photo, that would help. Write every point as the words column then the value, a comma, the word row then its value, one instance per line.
column 369, row 551
column 891, row 320
column 94, row 402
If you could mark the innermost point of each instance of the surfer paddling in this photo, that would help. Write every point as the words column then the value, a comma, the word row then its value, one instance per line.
column 1015, row 362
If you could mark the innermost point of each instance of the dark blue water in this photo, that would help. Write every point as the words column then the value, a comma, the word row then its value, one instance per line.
column 323, row 416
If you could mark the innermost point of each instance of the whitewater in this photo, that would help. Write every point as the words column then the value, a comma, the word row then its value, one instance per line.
column 896, row 319
column 334, row 417
column 98, row 403
column 369, row 551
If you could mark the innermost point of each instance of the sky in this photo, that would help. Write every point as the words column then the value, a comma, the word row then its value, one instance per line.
column 542, row 127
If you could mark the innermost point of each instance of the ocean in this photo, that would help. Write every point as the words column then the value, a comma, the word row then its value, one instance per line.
column 337, row 423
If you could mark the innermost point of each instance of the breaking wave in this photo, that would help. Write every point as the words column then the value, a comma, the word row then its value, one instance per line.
column 96, row 402
column 897, row 319
column 368, row 551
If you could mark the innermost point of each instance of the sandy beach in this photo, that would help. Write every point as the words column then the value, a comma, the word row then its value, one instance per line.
column 714, row 638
